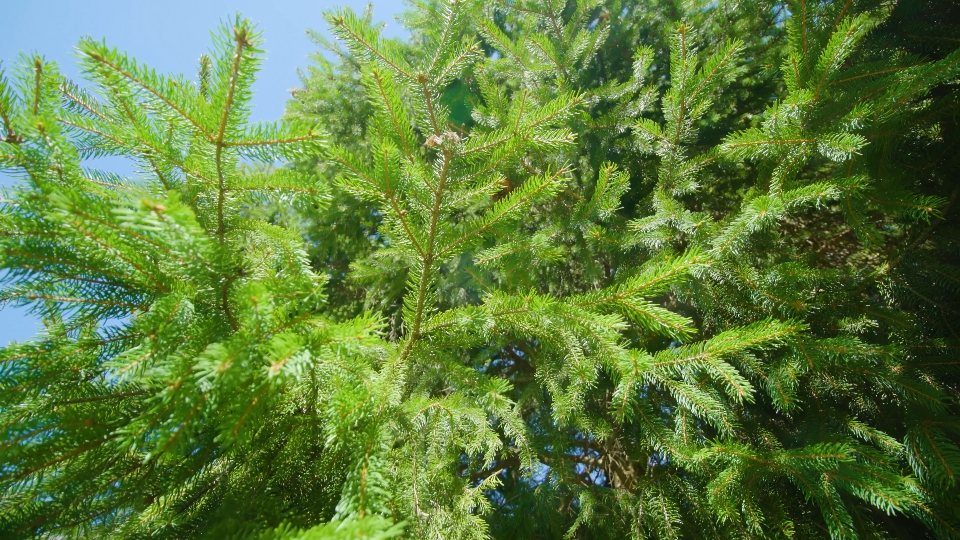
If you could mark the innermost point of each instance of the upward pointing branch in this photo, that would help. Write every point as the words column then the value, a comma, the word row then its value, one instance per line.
column 240, row 34
column 428, row 260
column 38, row 71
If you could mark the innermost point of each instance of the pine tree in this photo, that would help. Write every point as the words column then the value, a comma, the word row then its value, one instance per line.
column 585, row 269
column 177, row 388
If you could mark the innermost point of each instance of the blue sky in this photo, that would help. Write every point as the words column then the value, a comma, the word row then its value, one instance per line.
column 168, row 36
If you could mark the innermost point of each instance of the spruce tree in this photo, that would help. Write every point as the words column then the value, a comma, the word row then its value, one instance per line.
column 591, row 269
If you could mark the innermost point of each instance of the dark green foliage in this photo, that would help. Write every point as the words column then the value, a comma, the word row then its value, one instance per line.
column 595, row 269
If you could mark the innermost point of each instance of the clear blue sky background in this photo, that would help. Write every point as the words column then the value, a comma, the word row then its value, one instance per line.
column 168, row 36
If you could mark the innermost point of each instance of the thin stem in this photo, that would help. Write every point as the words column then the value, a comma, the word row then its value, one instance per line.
column 428, row 260
column 433, row 117
column 38, row 74
column 241, row 38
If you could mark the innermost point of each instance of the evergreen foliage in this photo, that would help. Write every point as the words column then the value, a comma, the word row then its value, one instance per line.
column 592, row 269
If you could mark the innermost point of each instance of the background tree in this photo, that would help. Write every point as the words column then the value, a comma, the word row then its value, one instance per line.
column 693, row 184
column 594, row 269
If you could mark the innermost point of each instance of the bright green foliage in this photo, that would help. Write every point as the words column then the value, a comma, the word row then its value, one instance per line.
column 592, row 269
column 167, row 419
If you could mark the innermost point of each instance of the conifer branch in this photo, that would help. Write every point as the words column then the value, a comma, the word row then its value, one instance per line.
column 427, row 261
column 926, row 233
column 338, row 21
column 76, row 99
column 100, row 58
column 394, row 117
column 504, row 209
column 270, row 142
column 240, row 37
column 422, row 79
column 37, row 79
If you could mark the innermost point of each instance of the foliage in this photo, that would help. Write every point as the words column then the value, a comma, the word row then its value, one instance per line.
column 590, row 269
